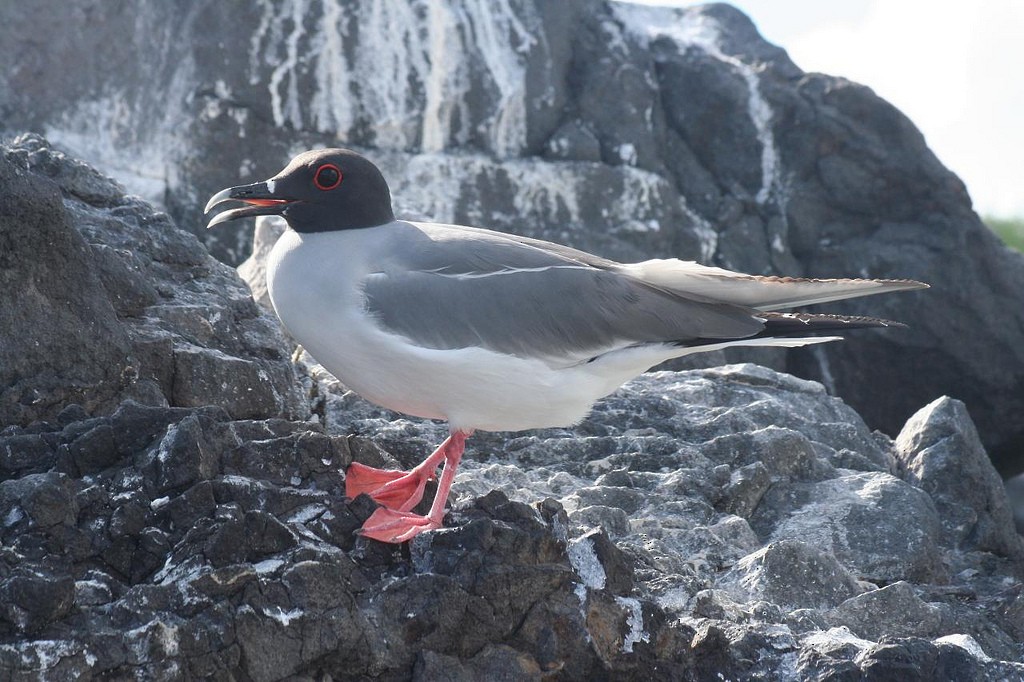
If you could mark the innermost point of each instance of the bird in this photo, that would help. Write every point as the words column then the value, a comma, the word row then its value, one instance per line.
column 488, row 330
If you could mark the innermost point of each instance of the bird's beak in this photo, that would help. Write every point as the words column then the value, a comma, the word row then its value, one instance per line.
column 260, row 196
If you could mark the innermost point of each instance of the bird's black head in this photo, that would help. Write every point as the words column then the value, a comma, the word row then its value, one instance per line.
column 319, row 191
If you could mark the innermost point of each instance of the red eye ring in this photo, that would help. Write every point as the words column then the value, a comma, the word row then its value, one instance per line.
column 327, row 177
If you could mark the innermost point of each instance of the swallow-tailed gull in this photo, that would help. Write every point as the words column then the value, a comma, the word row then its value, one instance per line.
column 488, row 330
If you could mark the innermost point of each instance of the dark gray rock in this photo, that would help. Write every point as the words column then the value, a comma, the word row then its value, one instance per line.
column 494, row 662
column 894, row 610
column 939, row 451
column 880, row 527
column 60, row 340
column 828, row 657
column 37, row 501
column 106, row 299
column 667, row 463
column 791, row 574
column 33, row 599
column 223, row 547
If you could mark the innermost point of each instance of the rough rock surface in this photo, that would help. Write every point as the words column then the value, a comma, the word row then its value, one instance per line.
column 178, row 542
column 631, row 131
column 102, row 298
column 939, row 451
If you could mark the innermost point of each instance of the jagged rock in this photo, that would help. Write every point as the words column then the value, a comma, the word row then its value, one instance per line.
column 494, row 662
column 33, row 599
column 893, row 610
column 105, row 299
column 837, row 654
column 669, row 454
column 61, row 340
column 880, row 527
column 939, row 451
column 202, row 545
column 791, row 574
column 677, row 442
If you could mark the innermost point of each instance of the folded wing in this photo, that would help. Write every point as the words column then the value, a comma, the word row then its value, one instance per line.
column 453, row 287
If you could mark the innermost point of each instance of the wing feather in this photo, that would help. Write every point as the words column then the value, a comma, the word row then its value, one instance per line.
column 760, row 292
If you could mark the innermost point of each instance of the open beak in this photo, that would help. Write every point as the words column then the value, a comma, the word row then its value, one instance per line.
column 259, row 196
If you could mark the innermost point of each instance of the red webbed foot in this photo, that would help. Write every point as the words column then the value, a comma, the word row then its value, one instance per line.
column 399, row 492
column 395, row 489
column 388, row 525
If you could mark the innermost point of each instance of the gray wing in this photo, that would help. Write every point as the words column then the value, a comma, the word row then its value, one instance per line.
column 460, row 287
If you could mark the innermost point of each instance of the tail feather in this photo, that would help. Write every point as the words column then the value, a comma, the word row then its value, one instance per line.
column 802, row 324
column 794, row 329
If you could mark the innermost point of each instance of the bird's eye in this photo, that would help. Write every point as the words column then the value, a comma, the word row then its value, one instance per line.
column 327, row 176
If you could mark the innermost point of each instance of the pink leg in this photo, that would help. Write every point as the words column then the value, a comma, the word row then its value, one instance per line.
column 396, row 526
column 395, row 489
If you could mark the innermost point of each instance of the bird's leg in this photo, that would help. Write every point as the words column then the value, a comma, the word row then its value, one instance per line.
column 396, row 526
column 393, row 488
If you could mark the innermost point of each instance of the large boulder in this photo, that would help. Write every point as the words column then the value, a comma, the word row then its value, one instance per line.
column 60, row 339
column 939, row 451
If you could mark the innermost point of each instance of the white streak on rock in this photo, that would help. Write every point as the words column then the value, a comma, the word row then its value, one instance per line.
column 627, row 153
column 330, row 105
column 703, row 32
column 405, row 73
column 447, row 81
column 13, row 516
column 283, row 617
column 588, row 567
column 547, row 186
column 101, row 130
column 704, row 231
column 827, row 378
column 635, row 621
column 283, row 86
column 268, row 566
column 503, row 42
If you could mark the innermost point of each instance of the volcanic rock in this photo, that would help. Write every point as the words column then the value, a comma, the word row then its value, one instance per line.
column 171, row 484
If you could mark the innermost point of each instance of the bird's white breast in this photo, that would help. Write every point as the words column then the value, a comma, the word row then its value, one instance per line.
column 315, row 281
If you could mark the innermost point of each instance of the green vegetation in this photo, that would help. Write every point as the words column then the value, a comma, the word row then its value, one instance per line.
column 1010, row 229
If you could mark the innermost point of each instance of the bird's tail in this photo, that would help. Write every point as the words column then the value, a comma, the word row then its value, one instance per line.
column 802, row 324
column 792, row 330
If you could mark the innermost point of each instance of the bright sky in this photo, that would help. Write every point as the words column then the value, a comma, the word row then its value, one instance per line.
column 955, row 68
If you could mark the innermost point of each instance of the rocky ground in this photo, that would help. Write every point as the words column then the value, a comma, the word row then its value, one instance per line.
column 172, row 501
column 171, row 470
